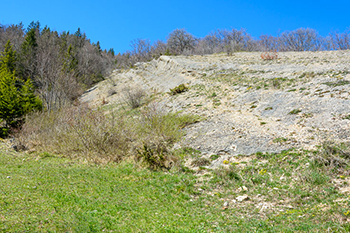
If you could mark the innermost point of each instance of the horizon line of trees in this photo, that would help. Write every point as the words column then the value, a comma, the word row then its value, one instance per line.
column 181, row 42
column 62, row 65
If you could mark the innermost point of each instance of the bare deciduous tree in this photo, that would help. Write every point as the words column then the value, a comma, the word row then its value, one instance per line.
column 180, row 41
column 340, row 41
column 300, row 40
column 268, row 43
column 141, row 49
column 158, row 49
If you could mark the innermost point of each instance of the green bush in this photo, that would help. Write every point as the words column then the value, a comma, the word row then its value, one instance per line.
column 155, row 158
column 294, row 111
column 214, row 157
column 4, row 132
column 179, row 89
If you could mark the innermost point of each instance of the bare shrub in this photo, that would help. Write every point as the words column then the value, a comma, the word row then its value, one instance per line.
column 200, row 162
column 134, row 96
column 269, row 55
column 80, row 132
column 111, row 92
column 77, row 132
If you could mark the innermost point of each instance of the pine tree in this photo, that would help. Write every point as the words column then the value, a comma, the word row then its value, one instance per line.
column 28, row 56
column 8, row 58
column 16, row 98
column 34, row 25
column 98, row 47
column 70, row 62
column 16, row 101
column 10, row 104
column 111, row 52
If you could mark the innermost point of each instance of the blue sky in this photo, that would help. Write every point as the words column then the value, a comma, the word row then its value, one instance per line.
column 116, row 23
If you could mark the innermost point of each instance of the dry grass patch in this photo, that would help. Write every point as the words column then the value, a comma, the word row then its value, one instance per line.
column 79, row 132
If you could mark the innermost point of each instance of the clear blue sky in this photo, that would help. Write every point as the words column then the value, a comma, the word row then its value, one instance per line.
column 116, row 23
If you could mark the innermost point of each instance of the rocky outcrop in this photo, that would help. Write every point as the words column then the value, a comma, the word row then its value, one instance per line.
column 249, row 105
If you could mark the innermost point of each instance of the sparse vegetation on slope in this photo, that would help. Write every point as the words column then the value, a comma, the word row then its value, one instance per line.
column 79, row 132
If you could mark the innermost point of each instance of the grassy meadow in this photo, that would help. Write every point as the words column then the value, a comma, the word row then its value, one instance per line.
column 294, row 191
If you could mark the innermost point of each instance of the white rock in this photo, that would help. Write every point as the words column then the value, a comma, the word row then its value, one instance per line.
column 243, row 188
column 242, row 198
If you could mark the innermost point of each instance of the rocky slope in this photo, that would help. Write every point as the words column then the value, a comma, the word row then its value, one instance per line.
column 249, row 104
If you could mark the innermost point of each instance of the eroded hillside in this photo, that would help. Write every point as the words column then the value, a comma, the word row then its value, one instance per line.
column 248, row 104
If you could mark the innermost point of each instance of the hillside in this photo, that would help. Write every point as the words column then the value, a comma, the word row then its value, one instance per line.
column 91, row 171
column 248, row 104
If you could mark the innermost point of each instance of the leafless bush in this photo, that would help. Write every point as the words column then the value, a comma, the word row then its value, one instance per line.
column 80, row 132
column 77, row 132
column 269, row 55
column 134, row 96
column 111, row 92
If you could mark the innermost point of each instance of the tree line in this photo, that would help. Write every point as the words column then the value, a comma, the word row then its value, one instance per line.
column 181, row 42
column 60, row 66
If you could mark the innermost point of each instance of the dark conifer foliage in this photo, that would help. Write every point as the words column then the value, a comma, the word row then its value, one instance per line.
column 8, row 58
column 17, row 98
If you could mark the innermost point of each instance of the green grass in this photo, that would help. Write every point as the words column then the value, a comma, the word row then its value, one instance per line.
column 55, row 194
column 43, row 193
column 294, row 111
column 347, row 117
column 338, row 83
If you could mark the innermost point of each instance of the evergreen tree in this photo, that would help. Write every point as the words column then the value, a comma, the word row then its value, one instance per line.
column 79, row 39
column 70, row 61
column 111, row 52
column 98, row 47
column 34, row 25
column 28, row 58
column 15, row 101
column 8, row 58
column 16, row 98
column 10, row 104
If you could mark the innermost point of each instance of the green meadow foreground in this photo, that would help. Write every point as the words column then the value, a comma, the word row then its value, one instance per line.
column 294, row 191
